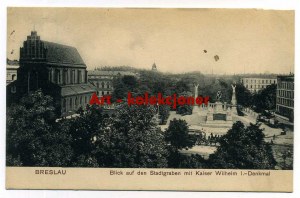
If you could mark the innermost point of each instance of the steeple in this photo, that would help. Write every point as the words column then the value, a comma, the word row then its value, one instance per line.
column 154, row 68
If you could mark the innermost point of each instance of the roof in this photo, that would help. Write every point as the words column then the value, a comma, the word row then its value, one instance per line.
column 286, row 78
column 110, row 73
column 62, row 54
column 70, row 90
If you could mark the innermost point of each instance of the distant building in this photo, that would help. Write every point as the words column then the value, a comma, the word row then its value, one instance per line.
column 254, row 84
column 11, row 70
column 154, row 67
column 58, row 70
column 285, row 96
column 103, row 80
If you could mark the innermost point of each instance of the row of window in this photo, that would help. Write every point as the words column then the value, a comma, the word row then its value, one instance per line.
column 67, row 76
column 103, row 93
column 287, row 112
column 285, row 93
column 73, row 104
column 100, row 77
column 102, row 85
column 33, row 49
column 286, row 85
column 256, row 86
column 285, row 102
column 269, row 81
column 70, row 104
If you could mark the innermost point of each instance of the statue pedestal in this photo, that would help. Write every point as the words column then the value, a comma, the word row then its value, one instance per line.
column 234, row 110
column 219, row 117
column 218, row 107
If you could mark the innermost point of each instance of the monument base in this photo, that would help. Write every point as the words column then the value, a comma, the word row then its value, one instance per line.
column 234, row 110
column 219, row 117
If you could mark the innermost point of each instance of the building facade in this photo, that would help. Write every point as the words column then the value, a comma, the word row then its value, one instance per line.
column 11, row 70
column 255, row 84
column 103, row 80
column 58, row 70
column 285, row 96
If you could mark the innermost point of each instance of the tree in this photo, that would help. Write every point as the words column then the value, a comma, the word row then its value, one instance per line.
column 164, row 112
column 182, row 86
column 265, row 99
column 120, row 89
column 192, row 161
column 131, row 139
column 84, row 130
column 177, row 135
column 185, row 109
column 33, row 138
column 243, row 148
column 213, row 85
column 124, row 84
column 243, row 95
column 178, row 160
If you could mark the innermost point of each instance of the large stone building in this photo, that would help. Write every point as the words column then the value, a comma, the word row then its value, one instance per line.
column 11, row 70
column 58, row 70
column 103, row 80
column 285, row 96
column 254, row 84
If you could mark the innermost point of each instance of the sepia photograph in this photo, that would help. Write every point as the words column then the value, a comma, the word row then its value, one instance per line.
column 153, row 91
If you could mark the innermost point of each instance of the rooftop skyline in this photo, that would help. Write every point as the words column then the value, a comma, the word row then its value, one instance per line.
column 178, row 40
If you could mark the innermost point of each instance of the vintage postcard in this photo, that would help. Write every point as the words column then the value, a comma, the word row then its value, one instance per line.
column 150, row 99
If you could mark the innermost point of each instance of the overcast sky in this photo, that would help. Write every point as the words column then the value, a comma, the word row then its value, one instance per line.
column 250, row 41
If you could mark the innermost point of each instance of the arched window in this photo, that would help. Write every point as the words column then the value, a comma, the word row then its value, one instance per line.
column 64, row 105
column 71, row 103
column 97, row 84
column 57, row 72
column 76, row 103
column 50, row 75
column 102, row 84
column 73, row 76
column 79, row 76
column 65, row 76
column 13, row 77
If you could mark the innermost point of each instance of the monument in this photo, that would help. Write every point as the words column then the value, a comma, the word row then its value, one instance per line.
column 233, row 100
column 214, row 118
column 196, row 108
column 219, row 114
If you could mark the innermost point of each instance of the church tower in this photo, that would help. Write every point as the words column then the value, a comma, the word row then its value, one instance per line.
column 154, row 68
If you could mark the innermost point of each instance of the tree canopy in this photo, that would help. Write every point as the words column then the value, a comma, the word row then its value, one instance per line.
column 243, row 148
column 33, row 138
column 178, row 136
column 265, row 99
